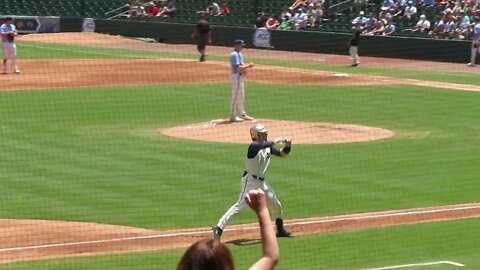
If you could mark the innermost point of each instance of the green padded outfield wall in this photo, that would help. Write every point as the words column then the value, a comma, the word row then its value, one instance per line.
column 309, row 41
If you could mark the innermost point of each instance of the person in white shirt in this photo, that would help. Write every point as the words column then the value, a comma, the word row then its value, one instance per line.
column 422, row 24
column 475, row 42
column 9, row 32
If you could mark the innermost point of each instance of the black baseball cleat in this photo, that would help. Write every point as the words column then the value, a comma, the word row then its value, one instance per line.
column 202, row 58
column 217, row 232
column 281, row 232
column 284, row 233
column 354, row 65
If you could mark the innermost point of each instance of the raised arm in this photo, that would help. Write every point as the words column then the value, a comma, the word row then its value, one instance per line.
column 257, row 202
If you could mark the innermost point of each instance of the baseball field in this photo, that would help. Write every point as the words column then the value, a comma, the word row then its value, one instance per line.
column 116, row 155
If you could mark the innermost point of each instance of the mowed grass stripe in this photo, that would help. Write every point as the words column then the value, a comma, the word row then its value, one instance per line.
column 36, row 50
column 102, row 142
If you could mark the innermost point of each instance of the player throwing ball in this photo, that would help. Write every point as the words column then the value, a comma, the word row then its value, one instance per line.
column 9, row 32
column 239, row 71
column 258, row 159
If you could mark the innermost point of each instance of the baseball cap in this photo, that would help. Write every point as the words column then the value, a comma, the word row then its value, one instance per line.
column 8, row 19
column 239, row 42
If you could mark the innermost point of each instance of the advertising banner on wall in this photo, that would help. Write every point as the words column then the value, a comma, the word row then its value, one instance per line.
column 88, row 25
column 34, row 24
column 261, row 38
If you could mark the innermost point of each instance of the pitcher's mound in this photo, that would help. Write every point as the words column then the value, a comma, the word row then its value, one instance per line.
column 221, row 130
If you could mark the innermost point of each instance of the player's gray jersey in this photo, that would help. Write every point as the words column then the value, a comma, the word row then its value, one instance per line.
column 258, row 165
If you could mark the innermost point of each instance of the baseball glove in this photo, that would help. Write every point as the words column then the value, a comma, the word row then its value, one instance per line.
column 242, row 70
column 10, row 37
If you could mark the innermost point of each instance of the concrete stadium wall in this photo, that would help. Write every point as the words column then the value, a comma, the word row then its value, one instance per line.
column 305, row 41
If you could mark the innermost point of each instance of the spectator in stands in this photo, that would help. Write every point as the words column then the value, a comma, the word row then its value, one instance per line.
column 260, row 20
column 378, row 29
column 410, row 10
column 299, row 20
column 286, row 15
column 473, row 9
column 460, row 29
column 360, row 19
column 369, row 24
column 168, row 9
column 389, row 28
column 302, row 3
column 152, row 9
column 272, row 22
column 449, row 7
column 213, row 9
column 315, row 14
column 427, row 3
column 384, row 13
column 389, row 5
column 209, row 254
column 438, row 30
column 422, row 25
column 400, row 5
column 225, row 9
column 136, row 9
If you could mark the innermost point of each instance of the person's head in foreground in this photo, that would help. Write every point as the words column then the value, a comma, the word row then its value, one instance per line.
column 210, row 254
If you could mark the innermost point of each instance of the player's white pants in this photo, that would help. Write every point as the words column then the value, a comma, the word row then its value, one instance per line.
column 246, row 184
column 475, row 50
column 9, row 52
column 238, row 95
column 354, row 54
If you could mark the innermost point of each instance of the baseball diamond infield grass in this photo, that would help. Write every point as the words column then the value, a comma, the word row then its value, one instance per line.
column 95, row 154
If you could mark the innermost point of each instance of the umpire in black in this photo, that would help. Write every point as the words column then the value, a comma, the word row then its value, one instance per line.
column 202, row 35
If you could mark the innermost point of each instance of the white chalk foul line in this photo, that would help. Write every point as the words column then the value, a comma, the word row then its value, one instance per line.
column 164, row 235
column 417, row 264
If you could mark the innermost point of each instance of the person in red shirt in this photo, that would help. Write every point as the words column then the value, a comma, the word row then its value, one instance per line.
column 272, row 22
column 225, row 9
column 153, row 10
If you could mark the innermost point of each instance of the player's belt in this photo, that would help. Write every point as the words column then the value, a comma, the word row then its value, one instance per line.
column 254, row 176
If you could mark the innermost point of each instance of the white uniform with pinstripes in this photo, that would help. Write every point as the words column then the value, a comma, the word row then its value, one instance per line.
column 257, row 166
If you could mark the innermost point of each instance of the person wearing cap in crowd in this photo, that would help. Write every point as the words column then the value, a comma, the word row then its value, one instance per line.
column 9, row 32
column 238, row 73
column 410, row 10
column 422, row 25
column 475, row 42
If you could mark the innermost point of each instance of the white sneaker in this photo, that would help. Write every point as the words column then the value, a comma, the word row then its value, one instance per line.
column 246, row 117
column 17, row 71
column 470, row 65
column 236, row 119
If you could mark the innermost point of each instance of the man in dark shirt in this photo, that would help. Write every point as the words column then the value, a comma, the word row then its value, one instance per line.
column 203, row 35
column 354, row 43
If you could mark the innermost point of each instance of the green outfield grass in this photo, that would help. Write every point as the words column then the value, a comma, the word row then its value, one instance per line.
column 455, row 241
column 95, row 154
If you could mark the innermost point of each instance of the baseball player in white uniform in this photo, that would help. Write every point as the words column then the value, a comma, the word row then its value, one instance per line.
column 239, row 69
column 475, row 43
column 9, row 32
column 258, row 159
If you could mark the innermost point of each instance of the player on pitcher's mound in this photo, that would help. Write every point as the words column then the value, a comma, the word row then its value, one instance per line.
column 239, row 71
column 258, row 159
